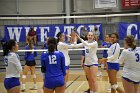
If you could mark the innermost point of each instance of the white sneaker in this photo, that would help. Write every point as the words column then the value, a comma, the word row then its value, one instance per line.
column 99, row 74
column 34, row 87
column 109, row 89
column 23, row 88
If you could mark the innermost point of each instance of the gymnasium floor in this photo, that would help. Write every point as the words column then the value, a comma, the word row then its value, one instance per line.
column 77, row 82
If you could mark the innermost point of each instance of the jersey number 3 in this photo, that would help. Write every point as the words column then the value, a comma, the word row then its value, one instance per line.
column 137, row 57
column 52, row 59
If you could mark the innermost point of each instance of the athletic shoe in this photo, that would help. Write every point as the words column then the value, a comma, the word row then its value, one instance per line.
column 109, row 89
column 34, row 87
column 99, row 74
column 22, row 90
column 87, row 91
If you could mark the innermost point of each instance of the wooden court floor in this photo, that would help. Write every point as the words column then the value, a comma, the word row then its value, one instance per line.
column 77, row 82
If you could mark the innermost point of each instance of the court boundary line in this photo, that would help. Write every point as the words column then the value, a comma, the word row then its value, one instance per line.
column 73, row 81
column 79, row 86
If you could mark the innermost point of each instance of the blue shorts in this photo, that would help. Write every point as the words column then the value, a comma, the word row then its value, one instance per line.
column 67, row 67
column 113, row 66
column 91, row 65
column 128, row 80
column 54, row 82
column 11, row 82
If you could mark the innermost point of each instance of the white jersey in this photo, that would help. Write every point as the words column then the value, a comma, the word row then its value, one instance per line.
column 131, row 60
column 90, row 52
column 13, row 65
column 63, row 47
column 113, row 53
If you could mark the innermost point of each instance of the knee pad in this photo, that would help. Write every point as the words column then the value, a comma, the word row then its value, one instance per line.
column 34, row 76
column 115, row 86
column 24, row 76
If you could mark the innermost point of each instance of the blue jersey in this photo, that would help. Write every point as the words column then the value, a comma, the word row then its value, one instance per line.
column 45, row 46
column 106, row 45
column 54, row 64
column 29, row 56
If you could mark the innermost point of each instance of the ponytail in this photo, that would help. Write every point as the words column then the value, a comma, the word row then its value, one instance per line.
column 52, row 43
column 130, row 42
column 5, row 49
column 8, row 46
column 58, row 35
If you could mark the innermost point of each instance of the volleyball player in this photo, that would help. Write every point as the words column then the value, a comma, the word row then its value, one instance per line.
column 13, row 67
column 113, row 63
column 130, row 57
column 91, row 60
column 105, row 44
column 63, row 47
column 29, row 65
column 54, row 68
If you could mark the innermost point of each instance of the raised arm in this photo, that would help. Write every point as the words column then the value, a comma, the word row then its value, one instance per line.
column 93, row 44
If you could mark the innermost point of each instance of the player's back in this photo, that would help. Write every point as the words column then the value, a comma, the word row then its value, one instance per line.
column 132, row 59
column 55, row 64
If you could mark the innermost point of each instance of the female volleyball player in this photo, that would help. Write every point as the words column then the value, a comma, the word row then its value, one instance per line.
column 53, row 65
column 63, row 47
column 13, row 67
column 113, row 63
column 130, row 57
column 29, row 65
column 91, row 60
column 105, row 44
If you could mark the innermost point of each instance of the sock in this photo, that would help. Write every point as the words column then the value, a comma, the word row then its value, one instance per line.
column 23, row 86
column 91, row 91
column 35, row 85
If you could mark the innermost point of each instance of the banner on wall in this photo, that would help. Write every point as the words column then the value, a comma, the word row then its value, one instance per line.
column 105, row 4
column 20, row 32
column 130, row 3
column 129, row 29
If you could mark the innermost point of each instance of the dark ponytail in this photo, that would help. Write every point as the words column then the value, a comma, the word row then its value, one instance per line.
column 8, row 46
column 52, row 44
column 58, row 35
column 130, row 41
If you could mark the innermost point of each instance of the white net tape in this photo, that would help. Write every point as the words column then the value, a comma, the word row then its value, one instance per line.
column 41, row 50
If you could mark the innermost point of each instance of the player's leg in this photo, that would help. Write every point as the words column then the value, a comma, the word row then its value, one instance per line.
column 128, row 86
column 32, row 69
column 25, row 71
column 67, row 74
column 15, row 89
column 47, row 90
column 136, row 88
column 87, row 73
column 113, row 81
column 93, row 73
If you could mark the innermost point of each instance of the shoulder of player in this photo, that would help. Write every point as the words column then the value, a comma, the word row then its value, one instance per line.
column 58, row 53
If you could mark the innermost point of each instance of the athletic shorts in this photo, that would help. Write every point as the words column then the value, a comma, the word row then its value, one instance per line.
column 91, row 65
column 67, row 67
column 11, row 82
column 30, row 63
column 54, row 82
column 113, row 66
column 128, row 80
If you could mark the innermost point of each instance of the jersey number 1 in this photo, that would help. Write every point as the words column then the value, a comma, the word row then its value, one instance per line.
column 137, row 57
column 52, row 59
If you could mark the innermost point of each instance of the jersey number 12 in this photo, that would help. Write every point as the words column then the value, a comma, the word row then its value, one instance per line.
column 52, row 59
